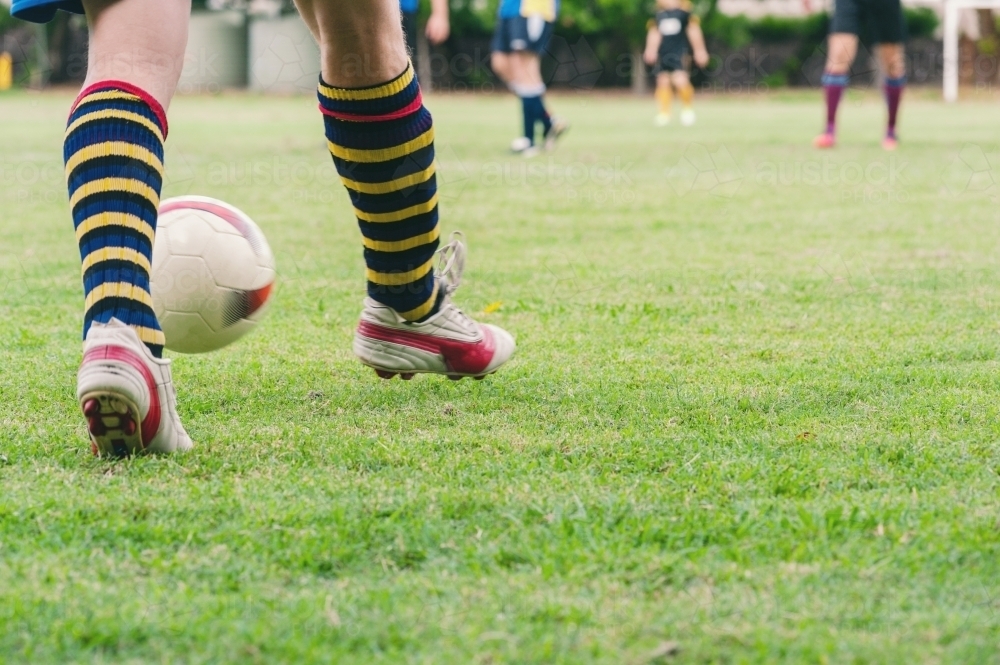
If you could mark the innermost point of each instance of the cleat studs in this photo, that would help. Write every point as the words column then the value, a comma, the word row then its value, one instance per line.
column 455, row 377
column 406, row 376
column 96, row 426
column 480, row 377
column 383, row 374
column 127, row 425
column 91, row 408
column 93, row 449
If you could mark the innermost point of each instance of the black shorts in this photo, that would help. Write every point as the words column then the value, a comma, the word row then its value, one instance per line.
column 671, row 61
column 521, row 33
column 876, row 21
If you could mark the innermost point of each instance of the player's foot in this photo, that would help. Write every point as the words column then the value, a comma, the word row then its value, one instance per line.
column 824, row 140
column 520, row 144
column 126, row 395
column 449, row 342
column 889, row 143
column 558, row 128
column 687, row 117
column 661, row 119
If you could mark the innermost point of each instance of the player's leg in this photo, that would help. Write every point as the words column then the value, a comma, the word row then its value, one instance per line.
column 893, row 60
column 410, row 28
column 381, row 138
column 664, row 98
column 526, row 38
column 891, row 28
column 114, row 170
column 842, row 46
column 841, row 49
column 685, row 91
column 526, row 82
column 500, row 52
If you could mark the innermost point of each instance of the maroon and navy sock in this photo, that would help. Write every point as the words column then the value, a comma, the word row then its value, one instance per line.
column 893, row 93
column 833, row 87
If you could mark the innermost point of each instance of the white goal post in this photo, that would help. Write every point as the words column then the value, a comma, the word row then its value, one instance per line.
column 951, row 10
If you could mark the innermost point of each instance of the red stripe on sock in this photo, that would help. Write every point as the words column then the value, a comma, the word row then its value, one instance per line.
column 161, row 115
column 409, row 109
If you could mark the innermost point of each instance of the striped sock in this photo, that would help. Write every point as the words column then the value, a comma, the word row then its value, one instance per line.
column 114, row 170
column 382, row 142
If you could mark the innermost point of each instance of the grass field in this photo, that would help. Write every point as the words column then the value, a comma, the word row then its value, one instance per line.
column 754, row 410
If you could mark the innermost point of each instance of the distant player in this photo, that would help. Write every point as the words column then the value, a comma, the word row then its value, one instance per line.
column 524, row 28
column 381, row 138
column 437, row 30
column 671, row 36
column 885, row 20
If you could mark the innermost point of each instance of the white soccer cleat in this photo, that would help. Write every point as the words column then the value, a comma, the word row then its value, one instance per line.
column 520, row 144
column 559, row 127
column 126, row 395
column 448, row 343
column 687, row 117
column 661, row 119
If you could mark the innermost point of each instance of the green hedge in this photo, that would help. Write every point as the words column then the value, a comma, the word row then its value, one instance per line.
column 737, row 31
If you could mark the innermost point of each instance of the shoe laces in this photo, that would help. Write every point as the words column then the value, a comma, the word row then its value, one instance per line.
column 451, row 263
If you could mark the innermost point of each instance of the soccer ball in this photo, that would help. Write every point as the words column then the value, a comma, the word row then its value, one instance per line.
column 213, row 273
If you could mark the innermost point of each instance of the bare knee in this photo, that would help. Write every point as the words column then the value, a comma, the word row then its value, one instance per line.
column 140, row 42
column 841, row 49
column 526, row 68
column 500, row 63
column 893, row 58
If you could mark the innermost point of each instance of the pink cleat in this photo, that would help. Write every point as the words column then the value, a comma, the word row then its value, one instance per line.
column 889, row 143
column 824, row 141
column 448, row 343
column 126, row 395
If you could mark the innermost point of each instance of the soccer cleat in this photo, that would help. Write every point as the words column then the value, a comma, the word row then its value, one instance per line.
column 449, row 342
column 520, row 144
column 558, row 128
column 889, row 143
column 687, row 117
column 126, row 395
column 824, row 140
column 661, row 119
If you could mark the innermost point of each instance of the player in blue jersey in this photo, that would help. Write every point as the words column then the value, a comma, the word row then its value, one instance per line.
column 381, row 138
column 437, row 30
column 524, row 28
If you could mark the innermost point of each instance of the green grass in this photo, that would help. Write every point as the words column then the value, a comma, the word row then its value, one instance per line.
column 754, row 409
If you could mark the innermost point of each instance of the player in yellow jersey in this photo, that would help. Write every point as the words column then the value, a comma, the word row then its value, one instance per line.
column 672, row 34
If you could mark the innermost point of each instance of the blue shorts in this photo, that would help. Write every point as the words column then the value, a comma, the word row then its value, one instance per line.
column 521, row 33
column 43, row 11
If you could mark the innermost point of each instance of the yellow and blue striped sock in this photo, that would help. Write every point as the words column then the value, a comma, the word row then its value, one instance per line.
column 382, row 142
column 113, row 152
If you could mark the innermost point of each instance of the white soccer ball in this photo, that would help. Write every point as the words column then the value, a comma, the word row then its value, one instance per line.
column 213, row 273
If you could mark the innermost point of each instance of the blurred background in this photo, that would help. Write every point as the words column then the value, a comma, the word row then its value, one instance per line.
column 756, row 45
